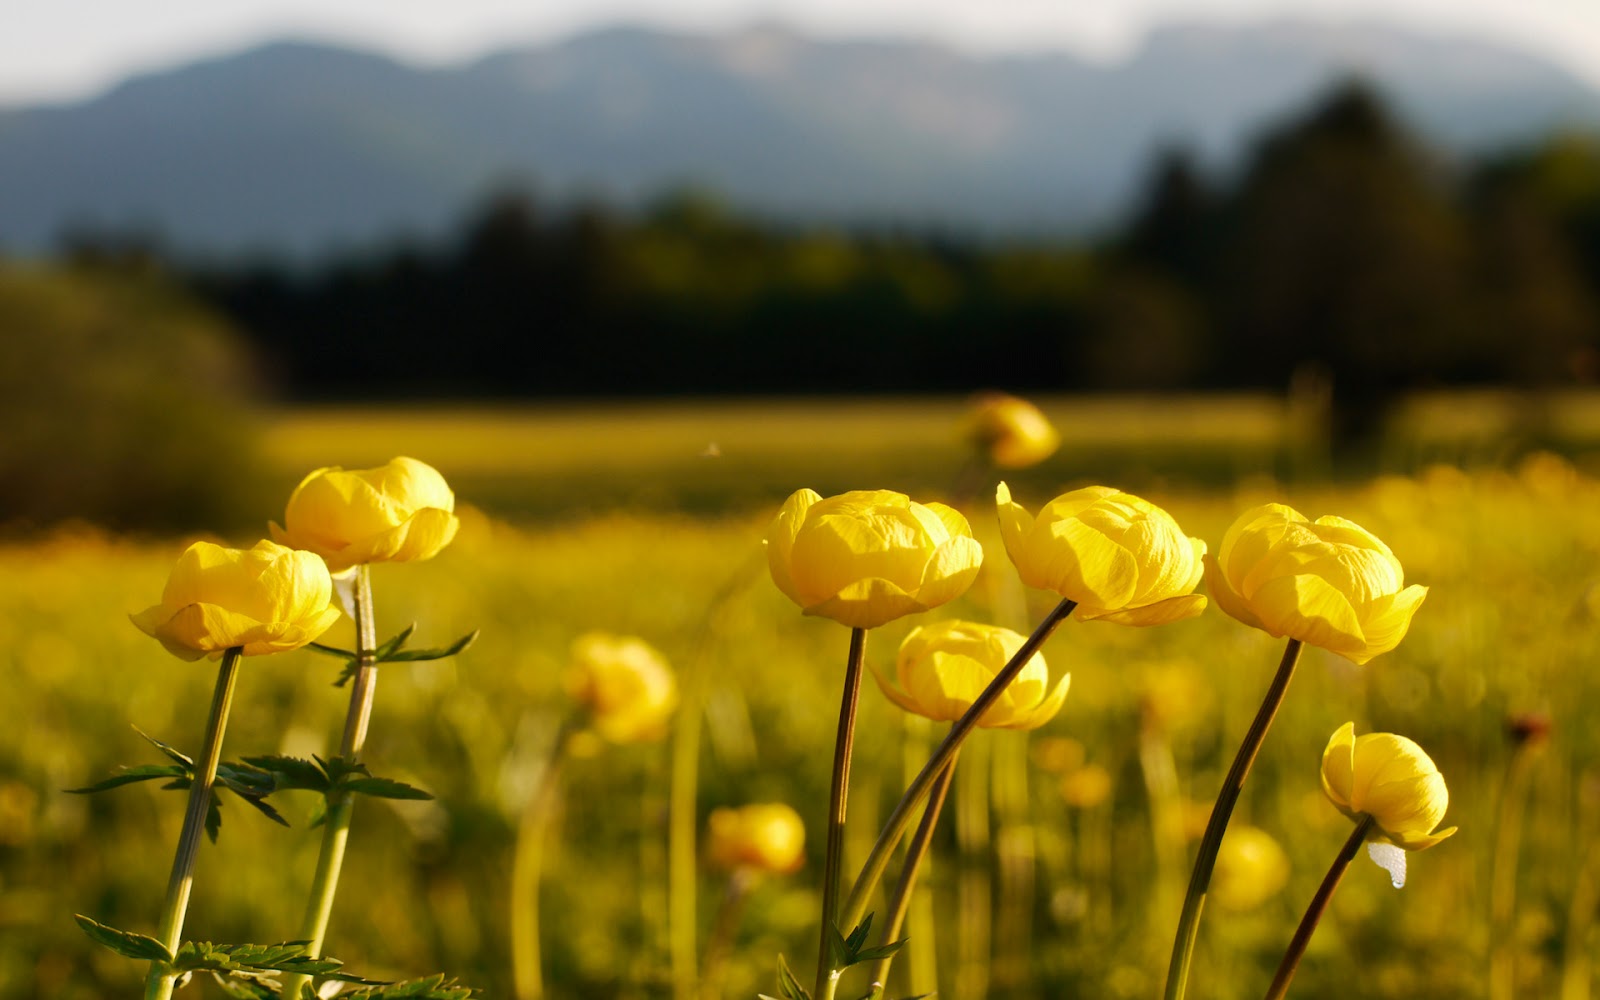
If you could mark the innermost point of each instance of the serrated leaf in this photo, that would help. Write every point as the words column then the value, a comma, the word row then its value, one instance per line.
column 339, row 768
column 881, row 951
column 788, row 985
column 168, row 750
column 434, row 987
column 126, row 943
column 317, row 647
column 145, row 772
column 385, row 788
column 389, row 647
column 290, row 773
column 213, row 816
column 437, row 653
column 243, row 989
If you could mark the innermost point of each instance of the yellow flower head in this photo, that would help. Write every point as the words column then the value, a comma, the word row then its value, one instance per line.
column 1328, row 582
column 398, row 512
column 1011, row 431
column 625, row 684
column 943, row 667
column 268, row 599
column 1251, row 868
column 1086, row 786
column 867, row 557
column 1121, row 558
column 1389, row 778
column 767, row 837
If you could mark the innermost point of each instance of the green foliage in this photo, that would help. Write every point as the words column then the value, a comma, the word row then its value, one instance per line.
column 124, row 403
column 845, row 950
column 330, row 778
column 128, row 944
column 393, row 650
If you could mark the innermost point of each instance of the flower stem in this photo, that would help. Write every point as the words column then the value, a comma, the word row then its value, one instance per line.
column 158, row 984
column 916, row 851
column 844, row 745
column 1503, row 873
column 1319, row 905
column 527, row 972
column 336, row 824
column 1200, row 879
column 723, row 930
column 855, row 907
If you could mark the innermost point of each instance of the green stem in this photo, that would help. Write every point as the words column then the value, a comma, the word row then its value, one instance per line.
column 855, row 907
column 723, row 930
column 158, row 984
column 1319, row 905
column 1205, row 861
column 527, row 866
column 974, row 886
column 1503, row 874
column 916, row 851
column 336, row 824
column 838, row 795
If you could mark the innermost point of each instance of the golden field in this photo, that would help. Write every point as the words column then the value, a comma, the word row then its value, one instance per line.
column 1055, row 872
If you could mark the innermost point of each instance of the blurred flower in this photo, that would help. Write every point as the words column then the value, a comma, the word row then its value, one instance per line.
column 1328, row 582
column 398, row 512
column 625, row 684
column 867, row 557
column 1529, row 728
column 1011, row 431
column 768, row 837
column 1389, row 778
column 1056, row 754
column 1121, row 558
column 943, row 667
column 1174, row 694
column 267, row 599
column 1251, row 868
column 1086, row 787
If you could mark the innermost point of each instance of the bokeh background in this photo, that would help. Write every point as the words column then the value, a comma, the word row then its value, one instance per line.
column 628, row 278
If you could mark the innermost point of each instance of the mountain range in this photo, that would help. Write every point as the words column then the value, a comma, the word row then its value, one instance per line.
column 299, row 147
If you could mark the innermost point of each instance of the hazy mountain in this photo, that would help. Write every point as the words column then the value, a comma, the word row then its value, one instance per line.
column 302, row 146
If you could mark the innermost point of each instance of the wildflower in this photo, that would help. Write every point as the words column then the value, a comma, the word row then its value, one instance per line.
column 1389, row 778
column 867, row 557
column 942, row 668
column 1251, row 869
column 766, row 837
column 399, row 512
column 267, row 599
column 1121, row 558
column 625, row 684
column 1328, row 582
column 1011, row 431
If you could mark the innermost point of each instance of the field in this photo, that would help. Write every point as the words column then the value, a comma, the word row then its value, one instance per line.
column 1055, row 873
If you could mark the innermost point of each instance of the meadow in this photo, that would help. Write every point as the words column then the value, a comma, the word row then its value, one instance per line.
column 1062, row 859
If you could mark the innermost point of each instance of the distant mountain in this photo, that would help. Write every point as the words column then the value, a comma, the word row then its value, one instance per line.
column 301, row 147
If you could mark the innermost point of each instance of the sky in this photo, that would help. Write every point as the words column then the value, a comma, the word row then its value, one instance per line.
column 68, row 49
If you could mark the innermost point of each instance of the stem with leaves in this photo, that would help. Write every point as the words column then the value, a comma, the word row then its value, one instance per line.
column 159, row 983
column 1211, row 842
column 336, row 825
column 1313, row 914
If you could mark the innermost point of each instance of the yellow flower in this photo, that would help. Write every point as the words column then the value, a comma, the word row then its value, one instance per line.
column 267, row 599
column 1086, row 787
column 943, row 667
column 766, row 837
column 1011, row 431
column 1121, row 558
column 867, row 557
column 625, row 684
column 395, row 513
column 1251, row 868
column 1389, row 778
column 1328, row 582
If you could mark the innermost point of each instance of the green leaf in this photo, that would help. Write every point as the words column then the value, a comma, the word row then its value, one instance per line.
column 339, row 768
column 290, row 773
column 428, row 988
column 415, row 655
column 126, row 943
column 788, row 985
column 384, row 788
column 881, row 951
column 164, row 748
column 214, row 816
column 242, row 988
column 391, row 646
column 145, row 772
column 858, row 936
column 317, row 647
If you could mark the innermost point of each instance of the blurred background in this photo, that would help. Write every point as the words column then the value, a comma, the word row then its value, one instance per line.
column 629, row 274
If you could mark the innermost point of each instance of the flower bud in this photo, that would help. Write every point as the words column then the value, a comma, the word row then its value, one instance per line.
column 1329, row 582
column 942, row 669
column 267, row 599
column 1121, row 558
column 1389, row 778
column 867, row 557
column 398, row 512
column 1011, row 432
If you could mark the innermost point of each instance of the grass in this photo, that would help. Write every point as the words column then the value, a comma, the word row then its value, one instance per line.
column 1512, row 554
